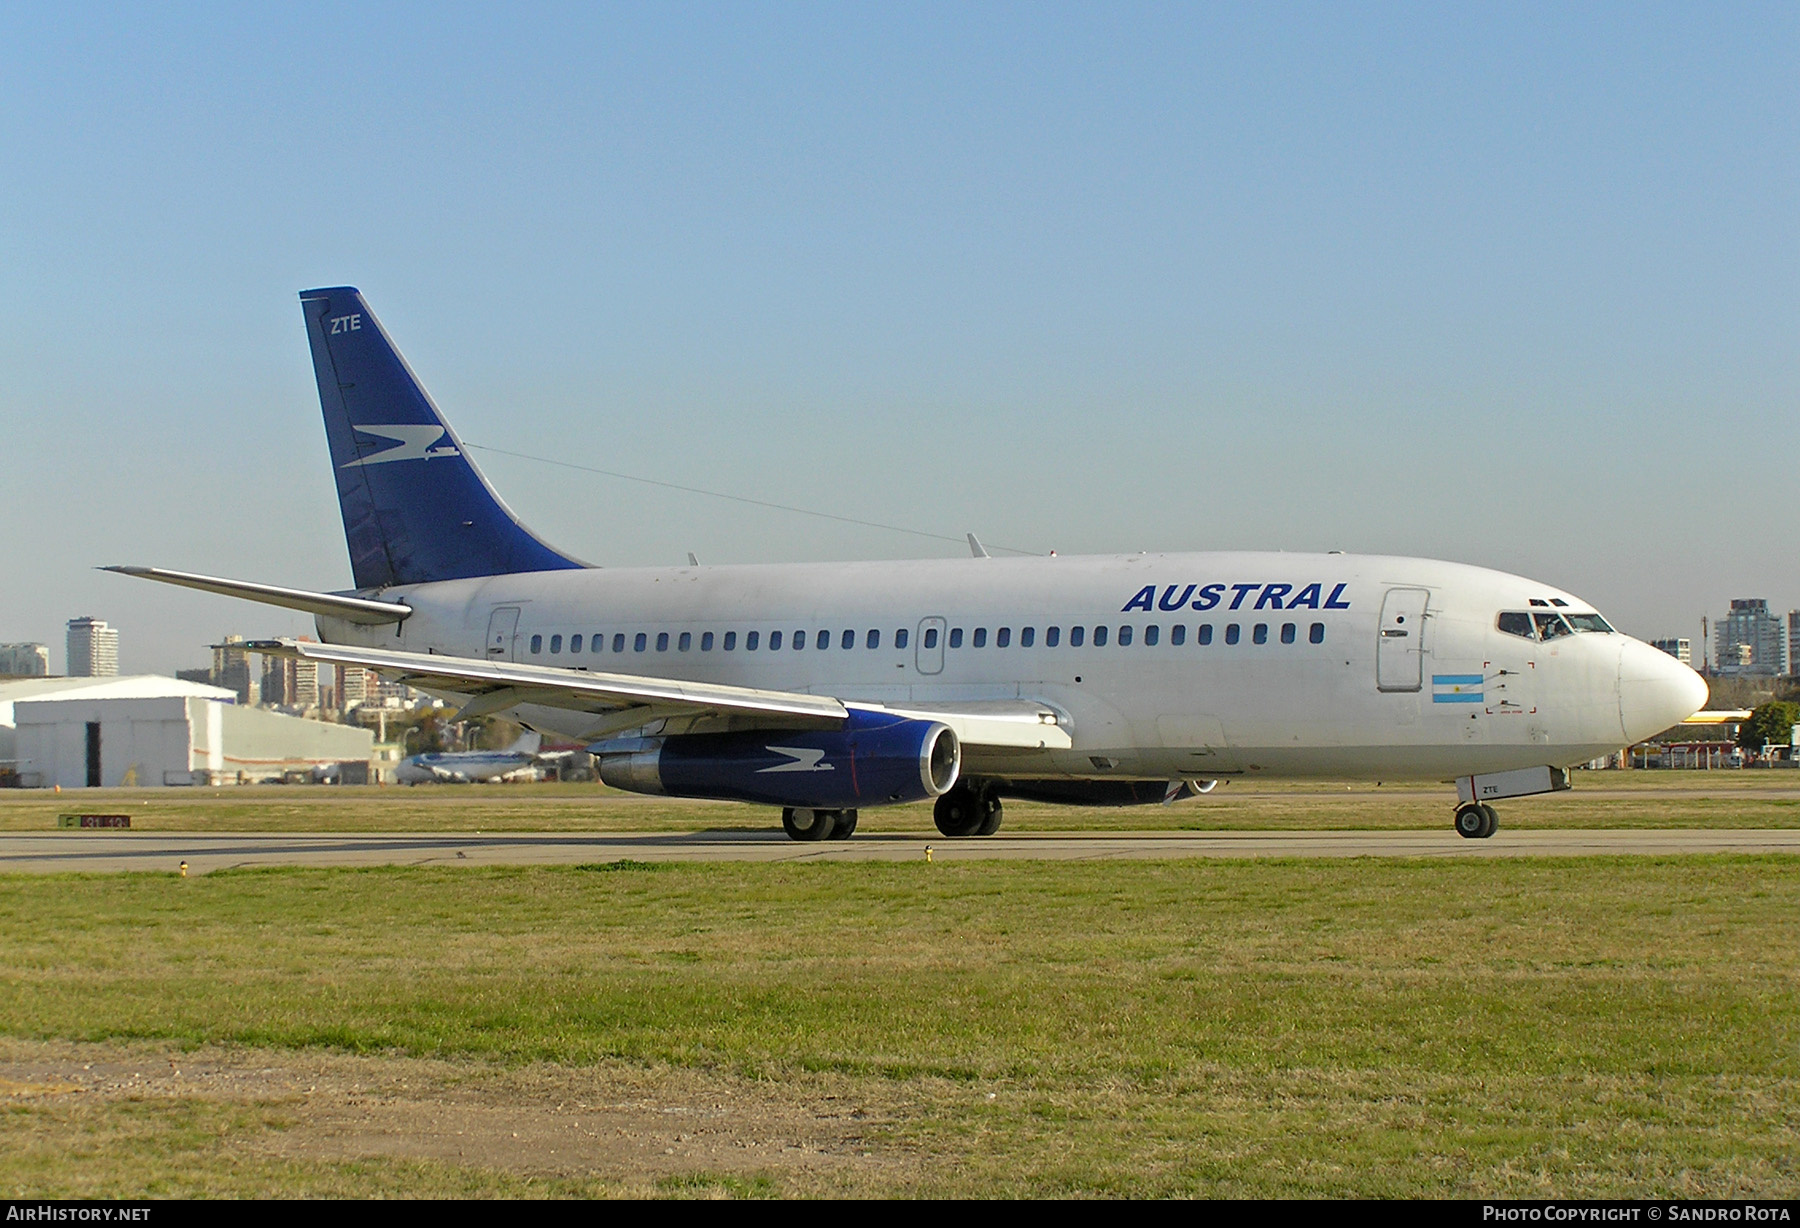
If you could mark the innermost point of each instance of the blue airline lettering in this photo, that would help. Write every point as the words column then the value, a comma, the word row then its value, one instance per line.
column 1272, row 597
column 1171, row 602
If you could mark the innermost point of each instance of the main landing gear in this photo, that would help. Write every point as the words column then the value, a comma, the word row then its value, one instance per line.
column 802, row 824
column 967, row 811
column 1476, row 821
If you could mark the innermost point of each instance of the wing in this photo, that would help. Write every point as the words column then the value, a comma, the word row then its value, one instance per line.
column 622, row 701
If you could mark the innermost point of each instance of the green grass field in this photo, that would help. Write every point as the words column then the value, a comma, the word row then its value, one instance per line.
column 1592, row 1027
column 1765, row 798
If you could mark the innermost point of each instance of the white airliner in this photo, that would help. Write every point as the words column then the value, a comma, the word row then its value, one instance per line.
column 821, row 688
column 461, row 767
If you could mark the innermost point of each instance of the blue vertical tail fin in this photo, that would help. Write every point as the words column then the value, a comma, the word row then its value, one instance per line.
column 415, row 507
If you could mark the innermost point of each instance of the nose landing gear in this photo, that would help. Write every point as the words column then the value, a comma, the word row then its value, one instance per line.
column 1476, row 821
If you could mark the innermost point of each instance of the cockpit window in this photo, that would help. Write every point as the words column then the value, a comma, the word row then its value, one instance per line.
column 1514, row 623
column 1587, row 622
column 1550, row 626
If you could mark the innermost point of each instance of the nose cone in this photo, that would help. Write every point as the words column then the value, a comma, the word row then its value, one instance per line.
column 1655, row 691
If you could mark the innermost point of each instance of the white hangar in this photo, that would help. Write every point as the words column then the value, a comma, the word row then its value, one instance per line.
column 148, row 730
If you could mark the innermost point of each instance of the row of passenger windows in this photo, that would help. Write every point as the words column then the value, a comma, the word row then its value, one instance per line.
column 1003, row 637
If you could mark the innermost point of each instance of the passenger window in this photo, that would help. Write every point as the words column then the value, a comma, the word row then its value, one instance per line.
column 730, row 644
column 1026, row 636
column 1231, row 633
column 1204, row 635
column 537, row 644
column 850, row 639
column 1260, row 633
column 774, row 641
column 1516, row 623
column 662, row 641
column 1178, row 634
column 750, row 641
column 574, row 643
column 956, row 637
column 823, row 642
column 640, row 642
column 556, row 643
column 1076, row 636
column 931, row 637
column 799, row 640
column 1152, row 634
column 1003, row 637
column 1317, row 633
column 1099, row 637
column 1052, row 636
column 1287, row 633
column 874, row 639
column 619, row 642
column 1125, row 636
column 706, row 641
column 900, row 638
column 1550, row 626
column 981, row 637
column 685, row 642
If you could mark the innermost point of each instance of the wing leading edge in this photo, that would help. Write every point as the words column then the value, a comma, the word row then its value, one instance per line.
column 497, row 685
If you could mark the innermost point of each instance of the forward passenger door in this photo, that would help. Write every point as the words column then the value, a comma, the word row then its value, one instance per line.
column 1400, row 650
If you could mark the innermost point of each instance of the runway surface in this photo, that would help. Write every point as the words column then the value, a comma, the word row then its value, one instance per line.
column 101, row 851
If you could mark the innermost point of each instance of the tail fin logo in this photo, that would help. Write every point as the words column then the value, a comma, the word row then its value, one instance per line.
column 414, row 442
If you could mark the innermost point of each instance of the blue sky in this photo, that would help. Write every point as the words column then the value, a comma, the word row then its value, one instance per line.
column 1519, row 287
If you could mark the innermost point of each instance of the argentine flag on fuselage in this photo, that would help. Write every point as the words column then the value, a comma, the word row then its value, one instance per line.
column 1456, row 688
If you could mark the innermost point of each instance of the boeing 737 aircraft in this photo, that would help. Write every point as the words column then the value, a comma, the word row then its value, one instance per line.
column 824, row 688
column 461, row 767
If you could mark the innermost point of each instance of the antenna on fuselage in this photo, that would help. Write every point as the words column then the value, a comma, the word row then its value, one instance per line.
column 976, row 548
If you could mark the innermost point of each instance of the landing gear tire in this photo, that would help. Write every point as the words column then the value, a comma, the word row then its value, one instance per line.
column 959, row 813
column 803, row 824
column 1475, row 821
column 843, row 826
column 988, row 806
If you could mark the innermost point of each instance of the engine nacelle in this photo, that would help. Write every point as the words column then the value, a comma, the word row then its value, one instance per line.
column 876, row 759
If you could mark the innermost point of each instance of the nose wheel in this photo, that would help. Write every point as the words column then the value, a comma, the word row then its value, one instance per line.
column 1476, row 821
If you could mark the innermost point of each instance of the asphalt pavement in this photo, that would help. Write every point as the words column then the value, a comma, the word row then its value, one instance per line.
column 163, row 852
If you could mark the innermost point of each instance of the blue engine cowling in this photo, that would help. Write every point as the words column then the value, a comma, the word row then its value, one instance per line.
column 876, row 759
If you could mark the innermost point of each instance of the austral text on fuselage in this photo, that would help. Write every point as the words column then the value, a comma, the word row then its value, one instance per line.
column 1209, row 596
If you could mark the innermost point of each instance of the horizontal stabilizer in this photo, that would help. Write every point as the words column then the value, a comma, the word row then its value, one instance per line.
column 333, row 605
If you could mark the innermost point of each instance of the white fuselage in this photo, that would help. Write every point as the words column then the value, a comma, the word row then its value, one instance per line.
column 1283, row 664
